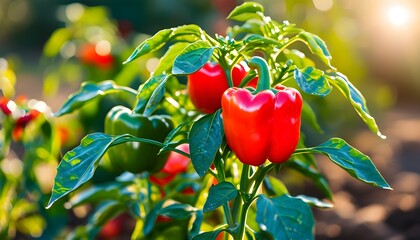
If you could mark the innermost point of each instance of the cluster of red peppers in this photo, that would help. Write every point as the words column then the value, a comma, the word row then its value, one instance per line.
column 21, row 120
column 259, row 124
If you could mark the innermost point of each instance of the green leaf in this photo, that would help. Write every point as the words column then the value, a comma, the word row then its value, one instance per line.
column 187, row 33
column 220, row 194
column 308, row 116
column 96, row 194
column 88, row 92
column 192, row 58
column 151, row 44
column 207, row 235
column 315, row 202
column 305, row 164
column 150, row 94
column 56, row 41
column 195, row 229
column 151, row 217
column 167, row 60
column 317, row 46
column 274, row 186
column 285, row 217
column 356, row 99
column 205, row 138
column 177, row 211
column 106, row 211
column 353, row 161
column 312, row 81
column 79, row 164
column 246, row 11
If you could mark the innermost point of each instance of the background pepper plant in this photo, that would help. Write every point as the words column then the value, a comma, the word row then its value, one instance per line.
column 231, row 190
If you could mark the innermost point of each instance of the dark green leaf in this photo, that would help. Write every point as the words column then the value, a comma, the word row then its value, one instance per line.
column 151, row 217
column 151, row 44
column 207, row 235
column 88, row 92
column 308, row 116
column 312, row 81
column 100, row 216
column 79, row 164
column 195, row 229
column 246, row 11
column 177, row 211
column 317, row 46
column 305, row 165
column 106, row 211
column 356, row 99
column 315, row 202
column 205, row 139
column 167, row 60
column 285, row 217
column 353, row 161
column 150, row 94
column 192, row 58
column 220, row 194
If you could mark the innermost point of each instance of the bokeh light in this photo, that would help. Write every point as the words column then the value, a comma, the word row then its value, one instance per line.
column 398, row 15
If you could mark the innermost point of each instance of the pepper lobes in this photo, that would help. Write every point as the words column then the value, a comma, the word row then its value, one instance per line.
column 263, row 123
column 262, row 126
column 137, row 157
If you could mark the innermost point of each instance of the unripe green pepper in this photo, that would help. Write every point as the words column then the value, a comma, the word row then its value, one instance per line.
column 137, row 157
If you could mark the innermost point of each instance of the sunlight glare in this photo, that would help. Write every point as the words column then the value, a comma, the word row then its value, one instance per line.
column 398, row 15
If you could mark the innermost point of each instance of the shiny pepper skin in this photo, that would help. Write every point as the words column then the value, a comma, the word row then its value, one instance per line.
column 137, row 157
column 206, row 86
column 262, row 126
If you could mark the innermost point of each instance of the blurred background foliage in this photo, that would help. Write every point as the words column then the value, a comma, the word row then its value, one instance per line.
column 374, row 43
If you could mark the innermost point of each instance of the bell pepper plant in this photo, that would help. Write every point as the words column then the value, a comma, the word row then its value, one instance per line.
column 240, row 114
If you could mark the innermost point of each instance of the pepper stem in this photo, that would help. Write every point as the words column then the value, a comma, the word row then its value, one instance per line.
column 264, row 77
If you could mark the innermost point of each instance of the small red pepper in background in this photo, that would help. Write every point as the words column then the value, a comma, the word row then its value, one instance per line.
column 175, row 165
column 89, row 56
column 206, row 86
column 22, row 122
column 3, row 106
column 264, row 124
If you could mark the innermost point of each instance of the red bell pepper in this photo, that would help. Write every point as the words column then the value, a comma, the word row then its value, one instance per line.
column 175, row 165
column 206, row 86
column 264, row 124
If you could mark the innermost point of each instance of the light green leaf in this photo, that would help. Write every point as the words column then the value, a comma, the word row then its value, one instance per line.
column 246, row 11
column 150, row 94
column 167, row 60
column 89, row 91
column 308, row 116
column 352, row 161
column 312, row 81
column 207, row 235
column 315, row 202
column 151, row 44
column 177, row 211
column 192, row 58
column 356, row 99
column 317, row 46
